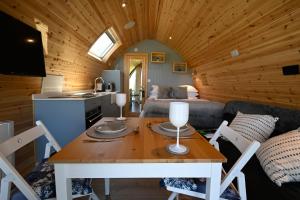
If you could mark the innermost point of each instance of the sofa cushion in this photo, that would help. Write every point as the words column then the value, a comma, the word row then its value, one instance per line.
column 42, row 181
column 189, row 88
column 258, row 184
column 198, row 185
column 288, row 118
column 253, row 126
column 280, row 157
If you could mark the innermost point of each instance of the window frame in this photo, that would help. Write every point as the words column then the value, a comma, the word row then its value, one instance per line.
column 110, row 32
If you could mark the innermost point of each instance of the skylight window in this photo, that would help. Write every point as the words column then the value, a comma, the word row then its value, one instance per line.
column 105, row 45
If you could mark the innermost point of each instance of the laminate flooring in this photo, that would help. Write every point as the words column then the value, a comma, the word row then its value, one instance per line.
column 133, row 189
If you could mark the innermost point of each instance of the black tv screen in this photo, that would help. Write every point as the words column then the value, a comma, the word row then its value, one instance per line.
column 21, row 48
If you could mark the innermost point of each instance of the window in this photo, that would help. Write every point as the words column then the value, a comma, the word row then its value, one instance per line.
column 105, row 45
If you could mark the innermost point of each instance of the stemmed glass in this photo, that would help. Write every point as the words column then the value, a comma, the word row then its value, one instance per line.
column 178, row 115
column 121, row 101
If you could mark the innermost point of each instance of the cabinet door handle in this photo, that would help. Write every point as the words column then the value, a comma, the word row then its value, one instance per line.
column 95, row 118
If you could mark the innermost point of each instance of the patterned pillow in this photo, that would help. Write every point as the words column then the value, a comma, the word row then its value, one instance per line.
column 197, row 185
column 253, row 126
column 189, row 88
column 280, row 157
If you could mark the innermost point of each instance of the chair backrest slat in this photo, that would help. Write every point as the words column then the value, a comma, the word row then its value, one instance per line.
column 17, row 179
column 246, row 147
column 235, row 138
column 49, row 137
column 239, row 164
column 15, row 143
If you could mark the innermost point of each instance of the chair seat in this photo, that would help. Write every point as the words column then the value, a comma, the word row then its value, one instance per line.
column 42, row 181
column 197, row 185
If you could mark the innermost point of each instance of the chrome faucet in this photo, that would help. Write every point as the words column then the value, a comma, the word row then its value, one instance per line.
column 95, row 86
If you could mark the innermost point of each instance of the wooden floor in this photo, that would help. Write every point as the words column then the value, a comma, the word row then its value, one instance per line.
column 134, row 189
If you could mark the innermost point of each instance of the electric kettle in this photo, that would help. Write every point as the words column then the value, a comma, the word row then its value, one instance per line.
column 108, row 87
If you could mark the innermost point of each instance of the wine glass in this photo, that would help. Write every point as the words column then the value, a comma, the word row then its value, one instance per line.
column 121, row 101
column 178, row 115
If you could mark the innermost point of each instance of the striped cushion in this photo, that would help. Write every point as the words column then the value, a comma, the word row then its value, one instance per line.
column 280, row 157
column 253, row 126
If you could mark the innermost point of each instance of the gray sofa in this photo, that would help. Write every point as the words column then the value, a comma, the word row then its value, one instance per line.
column 259, row 186
column 202, row 114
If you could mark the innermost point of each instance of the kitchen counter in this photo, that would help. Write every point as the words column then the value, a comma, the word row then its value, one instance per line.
column 78, row 96
column 66, row 115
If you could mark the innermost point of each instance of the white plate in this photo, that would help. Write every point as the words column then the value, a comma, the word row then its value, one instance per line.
column 111, row 128
column 168, row 126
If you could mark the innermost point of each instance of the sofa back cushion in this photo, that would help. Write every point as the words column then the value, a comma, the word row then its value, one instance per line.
column 289, row 119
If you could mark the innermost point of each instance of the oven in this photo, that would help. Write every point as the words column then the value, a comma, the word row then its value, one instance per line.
column 92, row 116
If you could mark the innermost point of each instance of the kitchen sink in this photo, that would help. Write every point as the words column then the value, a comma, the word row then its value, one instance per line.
column 75, row 95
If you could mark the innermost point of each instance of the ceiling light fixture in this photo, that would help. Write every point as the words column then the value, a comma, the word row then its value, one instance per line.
column 129, row 25
column 123, row 4
column 30, row 40
column 170, row 38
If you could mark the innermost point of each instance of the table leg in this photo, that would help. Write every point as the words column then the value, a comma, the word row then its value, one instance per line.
column 106, row 185
column 214, row 182
column 62, row 183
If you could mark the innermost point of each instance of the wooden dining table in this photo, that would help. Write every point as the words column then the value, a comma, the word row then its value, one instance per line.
column 140, row 154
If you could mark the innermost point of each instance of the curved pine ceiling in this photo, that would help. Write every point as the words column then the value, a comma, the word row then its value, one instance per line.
column 202, row 30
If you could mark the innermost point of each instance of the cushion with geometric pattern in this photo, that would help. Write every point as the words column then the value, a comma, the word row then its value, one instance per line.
column 254, row 126
column 42, row 181
column 280, row 157
column 198, row 185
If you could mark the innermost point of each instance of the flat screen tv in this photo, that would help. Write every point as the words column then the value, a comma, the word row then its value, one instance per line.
column 21, row 48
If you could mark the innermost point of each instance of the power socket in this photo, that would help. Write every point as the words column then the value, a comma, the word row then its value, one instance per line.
column 234, row 53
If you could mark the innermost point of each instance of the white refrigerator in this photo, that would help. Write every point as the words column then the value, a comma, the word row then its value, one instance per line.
column 113, row 76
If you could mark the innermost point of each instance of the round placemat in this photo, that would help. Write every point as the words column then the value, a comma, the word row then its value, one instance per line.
column 91, row 132
column 156, row 128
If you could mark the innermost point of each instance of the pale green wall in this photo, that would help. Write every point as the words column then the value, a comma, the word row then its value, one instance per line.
column 159, row 74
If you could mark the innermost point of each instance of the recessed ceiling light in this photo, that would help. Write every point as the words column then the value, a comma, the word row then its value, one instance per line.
column 123, row 4
column 129, row 25
column 170, row 38
column 29, row 40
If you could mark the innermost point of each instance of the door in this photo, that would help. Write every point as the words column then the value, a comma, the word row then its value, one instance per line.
column 135, row 81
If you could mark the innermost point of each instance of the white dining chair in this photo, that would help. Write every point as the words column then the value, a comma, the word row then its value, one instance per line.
column 197, row 187
column 40, row 183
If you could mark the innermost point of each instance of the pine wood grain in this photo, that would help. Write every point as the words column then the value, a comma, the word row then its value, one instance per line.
column 143, row 147
column 70, row 34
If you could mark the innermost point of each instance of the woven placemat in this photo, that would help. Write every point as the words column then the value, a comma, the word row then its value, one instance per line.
column 156, row 128
column 91, row 132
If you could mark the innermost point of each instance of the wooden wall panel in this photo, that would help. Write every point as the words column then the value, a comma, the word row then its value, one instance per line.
column 72, row 28
column 265, row 43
